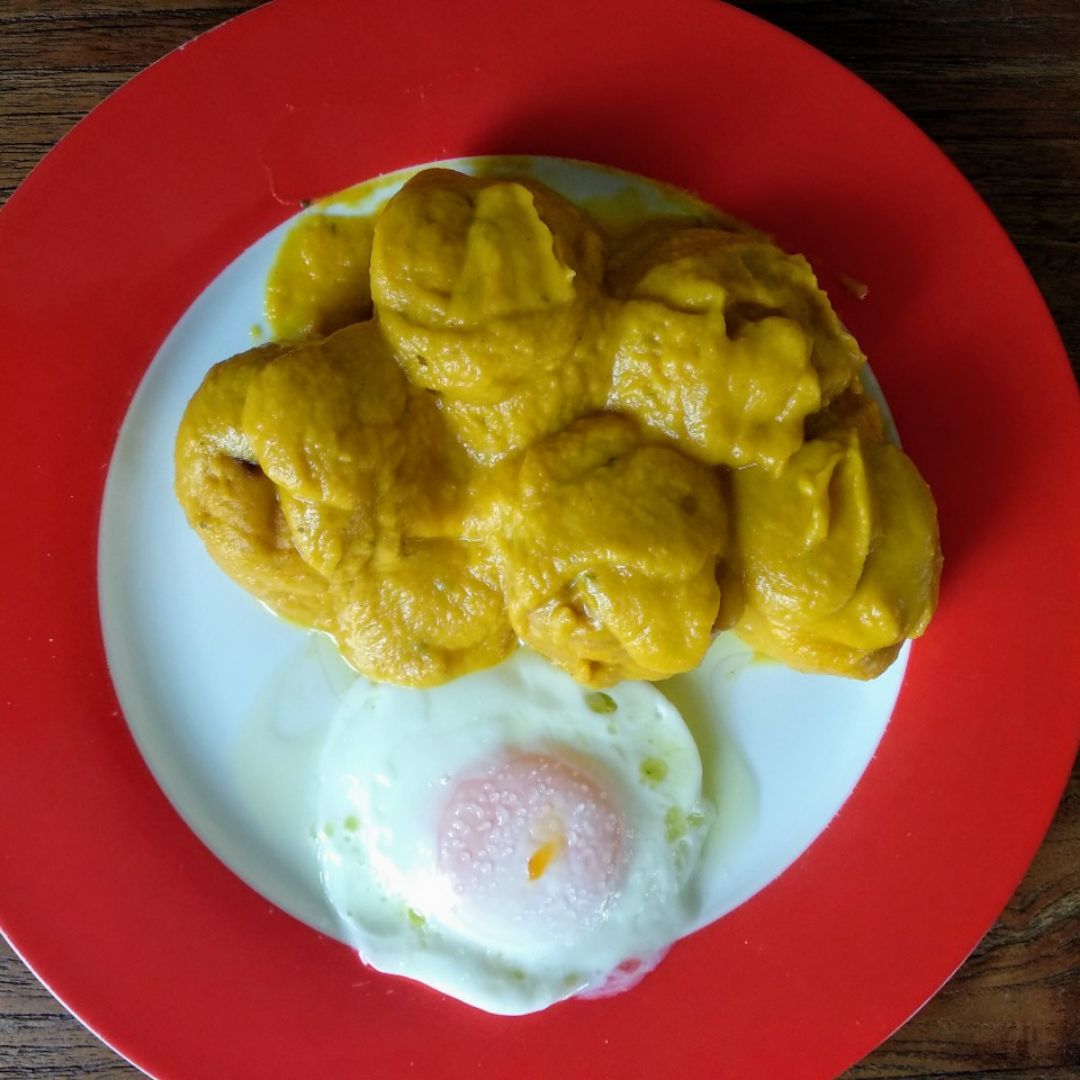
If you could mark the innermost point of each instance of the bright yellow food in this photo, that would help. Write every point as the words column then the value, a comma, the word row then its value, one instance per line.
column 490, row 294
column 838, row 554
column 233, row 504
column 326, row 484
column 725, row 345
column 609, row 549
column 320, row 281
column 607, row 448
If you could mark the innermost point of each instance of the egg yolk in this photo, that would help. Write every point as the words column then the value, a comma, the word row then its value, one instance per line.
column 531, row 846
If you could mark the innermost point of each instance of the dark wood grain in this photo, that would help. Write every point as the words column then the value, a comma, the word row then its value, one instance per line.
column 997, row 84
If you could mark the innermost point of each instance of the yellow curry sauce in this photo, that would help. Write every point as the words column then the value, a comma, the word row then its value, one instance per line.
column 319, row 282
column 489, row 419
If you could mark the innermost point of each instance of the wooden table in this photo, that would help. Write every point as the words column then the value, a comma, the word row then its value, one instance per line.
column 997, row 84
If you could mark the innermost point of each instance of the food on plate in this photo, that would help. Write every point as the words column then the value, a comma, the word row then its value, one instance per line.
column 724, row 344
column 838, row 555
column 607, row 447
column 489, row 294
column 326, row 484
column 608, row 548
column 320, row 280
column 544, row 844
column 232, row 503
column 489, row 422
column 424, row 612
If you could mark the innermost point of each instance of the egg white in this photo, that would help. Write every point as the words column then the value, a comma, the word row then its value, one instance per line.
column 393, row 754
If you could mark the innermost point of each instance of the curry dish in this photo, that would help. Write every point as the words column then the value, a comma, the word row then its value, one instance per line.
column 486, row 420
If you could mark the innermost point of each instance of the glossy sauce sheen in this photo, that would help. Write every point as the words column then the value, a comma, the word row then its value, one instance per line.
column 607, row 444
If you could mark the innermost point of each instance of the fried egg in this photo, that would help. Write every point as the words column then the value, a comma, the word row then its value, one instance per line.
column 511, row 838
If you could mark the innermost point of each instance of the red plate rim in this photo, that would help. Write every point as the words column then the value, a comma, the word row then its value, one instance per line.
column 103, row 889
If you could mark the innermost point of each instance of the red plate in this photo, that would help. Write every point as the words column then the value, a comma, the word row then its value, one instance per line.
column 102, row 887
